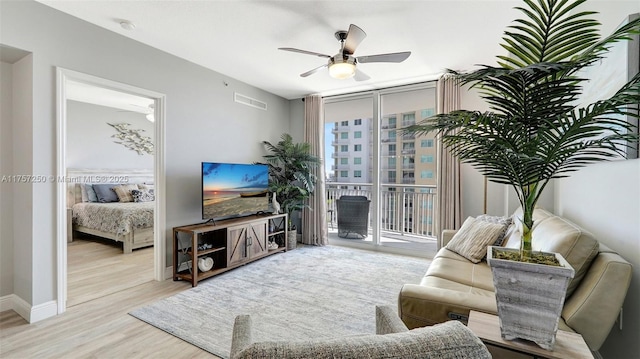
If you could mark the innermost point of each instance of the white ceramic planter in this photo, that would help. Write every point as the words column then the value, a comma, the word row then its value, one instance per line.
column 529, row 297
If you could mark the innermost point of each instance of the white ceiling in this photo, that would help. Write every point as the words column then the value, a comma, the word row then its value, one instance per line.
column 81, row 92
column 240, row 38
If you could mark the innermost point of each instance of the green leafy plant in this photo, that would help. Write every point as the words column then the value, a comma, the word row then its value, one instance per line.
column 291, row 173
column 536, row 129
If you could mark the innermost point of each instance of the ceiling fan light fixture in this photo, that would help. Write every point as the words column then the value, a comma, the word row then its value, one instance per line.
column 342, row 69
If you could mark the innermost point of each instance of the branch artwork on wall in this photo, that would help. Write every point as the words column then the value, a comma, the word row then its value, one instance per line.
column 132, row 139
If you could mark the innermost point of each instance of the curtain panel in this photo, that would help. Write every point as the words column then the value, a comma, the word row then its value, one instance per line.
column 449, row 198
column 314, row 220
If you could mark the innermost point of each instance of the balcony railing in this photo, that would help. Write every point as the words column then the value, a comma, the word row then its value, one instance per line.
column 405, row 209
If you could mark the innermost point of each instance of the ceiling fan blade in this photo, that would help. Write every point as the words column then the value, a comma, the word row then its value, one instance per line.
column 361, row 76
column 311, row 72
column 304, row 52
column 393, row 57
column 354, row 38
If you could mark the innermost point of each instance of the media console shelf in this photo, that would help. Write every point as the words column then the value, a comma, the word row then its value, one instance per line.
column 229, row 243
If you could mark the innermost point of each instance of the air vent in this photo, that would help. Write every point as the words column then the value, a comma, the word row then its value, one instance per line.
column 246, row 100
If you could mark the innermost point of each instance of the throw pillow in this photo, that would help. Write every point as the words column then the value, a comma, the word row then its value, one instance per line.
column 472, row 239
column 105, row 193
column 91, row 194
column 146, row 186
column 503, row 221
column 141, row 195
column 83, row 193
column 124, row 192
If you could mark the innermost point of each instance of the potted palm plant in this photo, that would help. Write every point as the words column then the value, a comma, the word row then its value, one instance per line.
column 291, row 176
column 536, row 129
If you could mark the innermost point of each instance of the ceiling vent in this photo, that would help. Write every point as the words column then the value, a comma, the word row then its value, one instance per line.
column 246, row 100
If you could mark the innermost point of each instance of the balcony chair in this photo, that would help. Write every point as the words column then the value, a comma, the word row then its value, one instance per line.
column 353, row 216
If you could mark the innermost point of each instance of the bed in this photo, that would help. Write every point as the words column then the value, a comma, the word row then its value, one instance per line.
column 128, row 222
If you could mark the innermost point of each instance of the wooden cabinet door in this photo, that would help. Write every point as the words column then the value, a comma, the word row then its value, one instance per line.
column 236, row 244
column 257, row 239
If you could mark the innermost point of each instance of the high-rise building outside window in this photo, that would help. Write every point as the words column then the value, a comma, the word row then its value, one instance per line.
column 357, row 148
column 357, row 134
column 344, row 135
column 344, row 148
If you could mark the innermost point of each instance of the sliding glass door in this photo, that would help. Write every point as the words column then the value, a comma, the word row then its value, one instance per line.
column 367, row 155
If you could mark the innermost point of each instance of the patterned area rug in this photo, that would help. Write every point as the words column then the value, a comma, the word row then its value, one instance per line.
column 311, row 292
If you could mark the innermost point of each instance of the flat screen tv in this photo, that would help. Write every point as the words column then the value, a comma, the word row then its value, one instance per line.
column 234, row 189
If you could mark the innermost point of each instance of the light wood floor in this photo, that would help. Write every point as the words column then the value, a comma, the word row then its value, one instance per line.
column 98, row 326
column 97, row 267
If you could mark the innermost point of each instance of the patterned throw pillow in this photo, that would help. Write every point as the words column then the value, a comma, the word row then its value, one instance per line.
column 472, row 239
column 140, row 195
column 124, row 192
column 504, row 221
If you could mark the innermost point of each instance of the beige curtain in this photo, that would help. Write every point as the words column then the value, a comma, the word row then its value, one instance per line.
column 314, row 220
column 449, row 201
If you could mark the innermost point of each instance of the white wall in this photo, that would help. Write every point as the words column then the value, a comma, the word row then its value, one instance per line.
column 6, row 188
column 89, row 137
column 203, row 123
column 501, row 199
column 605, row 199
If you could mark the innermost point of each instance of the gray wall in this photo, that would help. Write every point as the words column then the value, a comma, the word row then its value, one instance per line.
column 203, row 122
column 89, row 141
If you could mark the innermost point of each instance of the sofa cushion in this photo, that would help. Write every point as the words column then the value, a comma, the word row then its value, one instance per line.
column 446, row 340
column 474, row 236
column 446, row 266
column 555, row 234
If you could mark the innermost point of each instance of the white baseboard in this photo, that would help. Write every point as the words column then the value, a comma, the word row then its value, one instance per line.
column 30, row 313
column 168, row 272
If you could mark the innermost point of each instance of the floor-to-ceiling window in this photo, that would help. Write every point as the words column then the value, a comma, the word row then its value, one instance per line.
column 367, row 154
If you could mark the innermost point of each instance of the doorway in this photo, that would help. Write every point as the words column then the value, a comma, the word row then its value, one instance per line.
column 66, row 80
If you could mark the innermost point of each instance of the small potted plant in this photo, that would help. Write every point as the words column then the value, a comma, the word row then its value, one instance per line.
column 291, row 176
column 535, row 131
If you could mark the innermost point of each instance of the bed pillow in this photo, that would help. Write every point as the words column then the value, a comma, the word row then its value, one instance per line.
column 141, row 195
column 105, row 192
column 504, row 221
column 91, row 194
column 472, row 239
column 83, row 193
column 123, row 191
column 146, row 186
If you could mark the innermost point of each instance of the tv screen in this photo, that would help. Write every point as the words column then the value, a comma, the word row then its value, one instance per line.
column 234, row 190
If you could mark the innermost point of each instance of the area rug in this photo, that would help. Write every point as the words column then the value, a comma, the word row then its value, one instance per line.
column 310, row 292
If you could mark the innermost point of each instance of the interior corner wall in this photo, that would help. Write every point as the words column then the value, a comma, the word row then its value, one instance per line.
column 203, row 123
column 6, row 187
column 23, row 191
column 296, row 118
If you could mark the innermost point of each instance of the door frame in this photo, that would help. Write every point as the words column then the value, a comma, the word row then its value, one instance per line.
column 63, row 76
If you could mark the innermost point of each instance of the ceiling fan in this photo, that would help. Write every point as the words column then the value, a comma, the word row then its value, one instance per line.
column 343, row 64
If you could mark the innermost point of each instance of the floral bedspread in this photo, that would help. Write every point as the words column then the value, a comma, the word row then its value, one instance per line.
column 117, row 218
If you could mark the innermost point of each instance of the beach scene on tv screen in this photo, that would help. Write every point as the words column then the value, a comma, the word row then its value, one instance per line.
column 234, row 189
